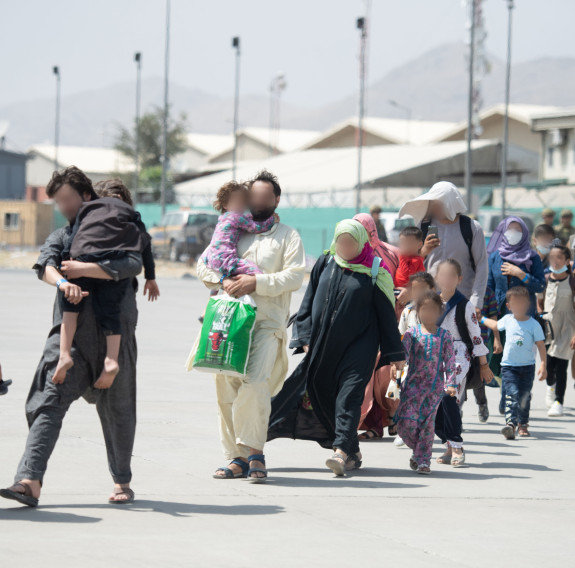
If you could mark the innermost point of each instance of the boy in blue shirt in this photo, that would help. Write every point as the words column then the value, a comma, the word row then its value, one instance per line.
column 523, row 335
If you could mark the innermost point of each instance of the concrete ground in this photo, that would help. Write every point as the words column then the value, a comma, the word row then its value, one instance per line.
column 514, row 504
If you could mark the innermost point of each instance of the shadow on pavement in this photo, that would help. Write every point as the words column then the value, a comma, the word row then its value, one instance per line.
column 40, row 515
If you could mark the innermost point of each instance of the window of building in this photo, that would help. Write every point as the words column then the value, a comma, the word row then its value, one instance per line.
column 11, row 221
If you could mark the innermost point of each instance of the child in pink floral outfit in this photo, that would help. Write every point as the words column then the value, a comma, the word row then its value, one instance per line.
column 222, row 254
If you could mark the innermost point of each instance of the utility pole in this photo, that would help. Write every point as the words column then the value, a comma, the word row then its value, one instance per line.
column 468, row 162
column 163, row 186
column 506, row 115
column 56, row 71
column 136, row 181
column 236, row 45
column 361, row 25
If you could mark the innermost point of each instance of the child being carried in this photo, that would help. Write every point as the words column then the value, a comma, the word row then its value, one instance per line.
column 222, row 254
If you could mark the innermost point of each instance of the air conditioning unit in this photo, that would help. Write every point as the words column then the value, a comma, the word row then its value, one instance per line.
column 558, row 137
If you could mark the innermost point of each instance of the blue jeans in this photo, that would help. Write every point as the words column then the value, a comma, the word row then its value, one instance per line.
column 517, row 384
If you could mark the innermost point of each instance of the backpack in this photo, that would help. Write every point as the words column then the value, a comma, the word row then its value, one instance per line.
column 466, row 233
column 474, row 375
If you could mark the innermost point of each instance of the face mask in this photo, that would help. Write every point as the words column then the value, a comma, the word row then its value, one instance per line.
column 543, row 250
column 513, row 237
column 559, row 270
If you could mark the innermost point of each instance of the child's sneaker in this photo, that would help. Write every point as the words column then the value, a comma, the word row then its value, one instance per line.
column 550, row 396
column 483, row 413
column 508, row 431
column 4, row 386
column 398, row 442
column 556, row 409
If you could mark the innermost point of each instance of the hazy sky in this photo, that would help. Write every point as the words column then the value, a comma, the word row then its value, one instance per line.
column 313, row 41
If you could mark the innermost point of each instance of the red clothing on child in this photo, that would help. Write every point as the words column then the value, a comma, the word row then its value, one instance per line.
column 408, row 265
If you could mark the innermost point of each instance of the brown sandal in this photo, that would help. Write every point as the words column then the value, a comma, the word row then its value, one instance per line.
column 122, row 491
column 369, row 435
column 25, row 498
column 522, row 431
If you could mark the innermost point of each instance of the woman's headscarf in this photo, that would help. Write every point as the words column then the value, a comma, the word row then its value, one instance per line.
column 521, row 253
column 443, row 191
column 386, row 252
column 363, row 262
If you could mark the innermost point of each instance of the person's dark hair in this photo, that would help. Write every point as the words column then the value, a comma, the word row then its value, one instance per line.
column 564, row 250
column 267, row 177
column 454, row 263
column 412, row 232
column 544, row 230
column 517, row 292
column 423, row 277
column 73, row 177
column 223, row 195
column 114, row 188
column 429, row 296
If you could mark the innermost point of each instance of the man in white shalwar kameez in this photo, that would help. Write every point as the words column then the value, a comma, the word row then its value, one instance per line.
column 244, row 404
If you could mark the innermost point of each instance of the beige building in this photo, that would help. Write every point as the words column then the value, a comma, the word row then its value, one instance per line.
column 24, row 223
column 556, row 134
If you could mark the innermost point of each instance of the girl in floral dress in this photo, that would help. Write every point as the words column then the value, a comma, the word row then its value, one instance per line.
column 222, row 254
column 448, row 424
column 430, row 375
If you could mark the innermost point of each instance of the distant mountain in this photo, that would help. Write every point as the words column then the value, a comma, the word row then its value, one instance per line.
column 433, row 86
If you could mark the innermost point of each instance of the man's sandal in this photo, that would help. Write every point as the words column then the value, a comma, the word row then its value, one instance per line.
column 122, row 491
column 25, row 498
column 352, row 462
column 229, row 473
column 264, row 471
column 337, row 464
column 369, row 435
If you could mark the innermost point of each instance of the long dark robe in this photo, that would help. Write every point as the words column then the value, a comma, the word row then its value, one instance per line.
column 345, row 319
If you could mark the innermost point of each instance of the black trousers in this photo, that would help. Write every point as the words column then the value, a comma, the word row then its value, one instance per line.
column 107, row 295
column 448, row 423
column 557, row 376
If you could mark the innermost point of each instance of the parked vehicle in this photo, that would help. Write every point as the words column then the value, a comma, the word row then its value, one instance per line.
column 183, row 234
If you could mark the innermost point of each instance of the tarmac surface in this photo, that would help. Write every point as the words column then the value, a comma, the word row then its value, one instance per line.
column 513, row 503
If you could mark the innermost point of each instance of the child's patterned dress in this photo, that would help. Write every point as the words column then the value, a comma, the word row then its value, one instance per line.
column 222, row 254
column 431, row 360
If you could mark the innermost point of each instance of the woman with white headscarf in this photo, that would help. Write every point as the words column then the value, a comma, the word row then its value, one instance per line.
column 458, row 237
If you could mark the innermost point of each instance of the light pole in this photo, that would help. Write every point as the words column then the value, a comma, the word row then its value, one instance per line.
column 56, row 71
column 165, row 117
column 361, row 24
column 277, row 85
column 408, row 115
column 136, row 182
column 506, row 115
column 236, row 45
column 468, row 164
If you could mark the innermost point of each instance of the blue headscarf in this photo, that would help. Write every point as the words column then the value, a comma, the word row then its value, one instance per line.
column 521, row 253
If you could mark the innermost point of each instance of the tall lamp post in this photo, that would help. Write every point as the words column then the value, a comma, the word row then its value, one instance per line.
column 236, row 46
column 408, row 115
column 468, row 164
column 136, row 181
column 361, row 24
column 163, row 185
column 277, row 85
column 56, row 71
column 506, row 115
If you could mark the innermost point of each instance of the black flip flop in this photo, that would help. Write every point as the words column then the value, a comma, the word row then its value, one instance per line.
column 25, row 498
column 4, row 386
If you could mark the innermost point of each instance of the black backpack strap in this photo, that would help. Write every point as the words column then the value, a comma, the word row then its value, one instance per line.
column 461, row 324
column 467, row 234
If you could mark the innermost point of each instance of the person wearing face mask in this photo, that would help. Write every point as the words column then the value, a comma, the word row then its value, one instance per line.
column 558, row 304
column 543, row 237
column 512, row 262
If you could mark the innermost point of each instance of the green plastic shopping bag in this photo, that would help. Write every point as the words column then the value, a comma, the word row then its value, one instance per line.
column 226, row 336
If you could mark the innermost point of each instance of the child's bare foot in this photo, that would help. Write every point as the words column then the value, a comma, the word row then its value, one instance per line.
column 65, row 363
column 108, row 375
